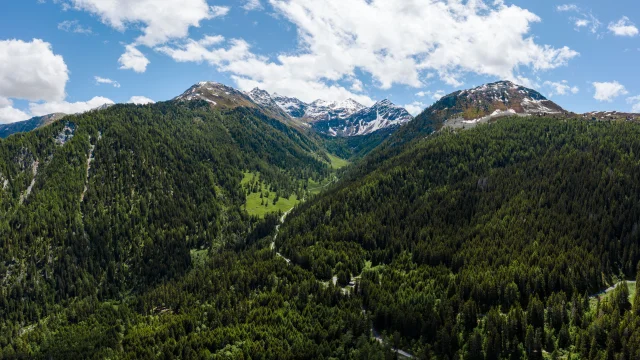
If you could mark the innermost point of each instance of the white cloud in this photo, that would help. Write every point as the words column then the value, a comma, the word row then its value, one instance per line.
column 219, row 11
column 356, row 85
column 585, row 19
column 607, row 91
column 567, row 7
column 395, row 42
column 415, row 108
column 438, row 95
column 140, row 100
column 9, row 114
column 561, row 88
column 252, row 5
column 160, row 20
column 5, row 102
column 74, row 26
column 582, row 23
column 38, row 109
column 201, row 51
column 31, row 71
column 101, row 80
column 434, row 95
column 624, row 27
column 133, row 59
column 635, row 102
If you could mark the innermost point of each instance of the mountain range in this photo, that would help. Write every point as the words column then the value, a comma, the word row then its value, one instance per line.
column 218, row 225
column 348, row 118
column 345, row 118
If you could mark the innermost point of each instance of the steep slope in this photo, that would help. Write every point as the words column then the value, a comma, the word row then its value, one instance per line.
column 218, row 95
column 292, row 106
column 270, row 107
column 28, row 125
column 498, row 220
column 466, row 109
column 113, row 201
column 320, row 110
column 382, row 115
column 489, row 101
column 345, row 118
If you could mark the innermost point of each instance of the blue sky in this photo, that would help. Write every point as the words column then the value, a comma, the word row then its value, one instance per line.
column 72, row 55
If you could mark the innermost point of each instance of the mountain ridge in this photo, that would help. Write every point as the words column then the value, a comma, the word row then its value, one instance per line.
column 333, row 118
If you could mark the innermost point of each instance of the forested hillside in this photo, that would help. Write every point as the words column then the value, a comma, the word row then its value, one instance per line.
column 125, row 234
column 112, row 202
column 489, row 239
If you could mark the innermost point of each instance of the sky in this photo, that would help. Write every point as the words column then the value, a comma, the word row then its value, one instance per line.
column 74, row 55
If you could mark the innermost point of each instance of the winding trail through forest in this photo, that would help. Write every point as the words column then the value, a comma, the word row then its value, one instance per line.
column 273, row 243
column 376, row 335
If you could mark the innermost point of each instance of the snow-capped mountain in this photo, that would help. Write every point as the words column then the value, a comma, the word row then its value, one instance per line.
column 321, row 110
column 292, row 106
column 381, row 115
column 483, row 103
column 265, row 101
column 344, row 118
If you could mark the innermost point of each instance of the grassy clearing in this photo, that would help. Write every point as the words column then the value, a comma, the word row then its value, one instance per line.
column 316, row 187
column 259, row 205
column 336, row 162
column 632, row 293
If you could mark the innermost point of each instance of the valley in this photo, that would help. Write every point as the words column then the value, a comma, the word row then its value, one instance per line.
column 213, row 226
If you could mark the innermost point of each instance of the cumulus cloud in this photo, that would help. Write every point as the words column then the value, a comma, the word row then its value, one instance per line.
column 397, row 42
column 5, row 102
column 607, row 91
column 434, row 95
column 561, row 88
column 133, row 59
column 415, row 108
column 101, row 80
column 31, row 71
column 438, row 95
column 39, row 109
column 635, row 102
column 202, row 51
column 623, row 27
column 9, row 114
column 160, row 20
column 140, row 100
column 74, row 26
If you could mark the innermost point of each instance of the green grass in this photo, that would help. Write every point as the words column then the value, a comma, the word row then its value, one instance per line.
column 315, row 188
column 632, row 293
column 336, row 162
column 255, row 204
